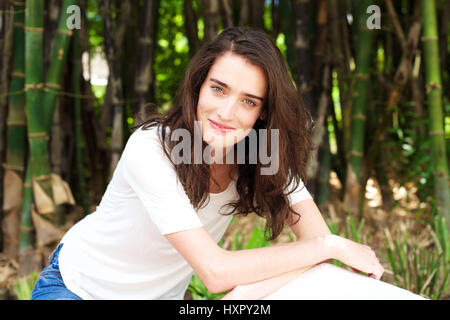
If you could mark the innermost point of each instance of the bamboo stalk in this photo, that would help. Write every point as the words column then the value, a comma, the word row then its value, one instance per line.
column 76, row 78
column 144, row 80
column 275, row 19
column 320, row 126
column 226, row 13
column 302, row 50
column 6, row 35
column 26, row 222
column 116, row 86
column 323, row 188
column 16, row 140
column 257, row 14
column 191, row 27
column 37, row 134
column 287, row 28
column 363, row 58
column 57, row 63
column 211, row 19
column 434, row 100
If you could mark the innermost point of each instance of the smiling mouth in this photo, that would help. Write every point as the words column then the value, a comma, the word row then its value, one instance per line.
column 220, row 127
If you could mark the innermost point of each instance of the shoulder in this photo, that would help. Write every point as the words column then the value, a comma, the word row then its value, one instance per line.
column 146, row 137
column 144, row 143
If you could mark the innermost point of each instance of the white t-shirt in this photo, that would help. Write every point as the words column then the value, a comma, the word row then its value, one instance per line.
column 120, row 251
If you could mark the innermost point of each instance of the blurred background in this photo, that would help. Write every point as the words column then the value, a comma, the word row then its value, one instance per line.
column 76, row 75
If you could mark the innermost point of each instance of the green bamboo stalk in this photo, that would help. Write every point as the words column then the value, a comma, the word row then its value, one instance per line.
column 323, row 189
column 76, row 76
column 434, row 99
column 37, row 135
column 16, row 128
column 59, row 56
column 364, row 53
column 26, row 222
column 16, row 122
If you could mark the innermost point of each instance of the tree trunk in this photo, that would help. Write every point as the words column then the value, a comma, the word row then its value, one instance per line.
column 26, row 222
column 434, row 101
column 323, row 188
column 320, row 126
column 257, row 14
column 320, row 50
column 275, row 19
column 226, row 14
column 444, row 52
column 145, row 77
column 244, row 14
column 340, row 64
column 52, row 12
column 288, row 29
column 191, row 27
column 36, row 123
column 79, row 141
column 57, row 64
column 211, row 19
column 116, row 86
column 363, row 60
column 11, row 173
column 303, row 77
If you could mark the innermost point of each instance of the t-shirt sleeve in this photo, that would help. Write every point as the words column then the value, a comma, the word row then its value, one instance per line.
column 299, row 194
column 152, row 177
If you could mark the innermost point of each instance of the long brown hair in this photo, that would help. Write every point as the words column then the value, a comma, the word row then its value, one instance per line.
column 266, row 195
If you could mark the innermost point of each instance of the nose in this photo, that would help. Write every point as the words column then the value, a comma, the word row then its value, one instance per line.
column 226, row 111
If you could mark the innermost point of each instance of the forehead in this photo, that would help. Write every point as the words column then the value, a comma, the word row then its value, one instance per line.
column 239, row 74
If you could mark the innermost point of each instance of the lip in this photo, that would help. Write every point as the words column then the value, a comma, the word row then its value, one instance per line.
column 220, row 127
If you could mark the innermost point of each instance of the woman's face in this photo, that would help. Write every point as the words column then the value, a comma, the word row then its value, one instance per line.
column 230, row 101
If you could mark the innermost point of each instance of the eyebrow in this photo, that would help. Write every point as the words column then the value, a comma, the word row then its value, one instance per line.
column 245, row 93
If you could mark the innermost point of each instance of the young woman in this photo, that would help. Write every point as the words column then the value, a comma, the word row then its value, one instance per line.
column 170, row 200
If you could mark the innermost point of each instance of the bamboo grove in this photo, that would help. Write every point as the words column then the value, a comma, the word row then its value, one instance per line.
column 379, row 96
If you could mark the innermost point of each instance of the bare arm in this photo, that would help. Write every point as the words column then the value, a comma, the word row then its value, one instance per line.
column 310, row 225
column 222, row 270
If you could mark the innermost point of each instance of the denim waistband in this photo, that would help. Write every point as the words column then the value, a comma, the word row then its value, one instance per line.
column 55, row 253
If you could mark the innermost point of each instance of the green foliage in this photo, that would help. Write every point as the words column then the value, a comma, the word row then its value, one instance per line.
column 200, row 292
column 355, row 231
column 23, row 287
column 422, row 269
column 440, row 230
column 171, row 52
column 410, row 153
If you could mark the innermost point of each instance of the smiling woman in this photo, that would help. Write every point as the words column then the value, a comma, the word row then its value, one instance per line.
column 225, row 109
column 160, row 220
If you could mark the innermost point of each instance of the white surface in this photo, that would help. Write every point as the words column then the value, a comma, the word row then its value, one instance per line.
column 329, row 282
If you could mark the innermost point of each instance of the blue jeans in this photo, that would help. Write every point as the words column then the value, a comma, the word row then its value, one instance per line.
column 50, row 285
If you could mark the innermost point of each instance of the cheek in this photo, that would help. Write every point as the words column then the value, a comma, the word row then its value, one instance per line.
column 248, row 120
column 204, row 105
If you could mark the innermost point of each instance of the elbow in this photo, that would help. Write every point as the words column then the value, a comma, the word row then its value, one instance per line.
column 216, row 278
column 215, row 287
